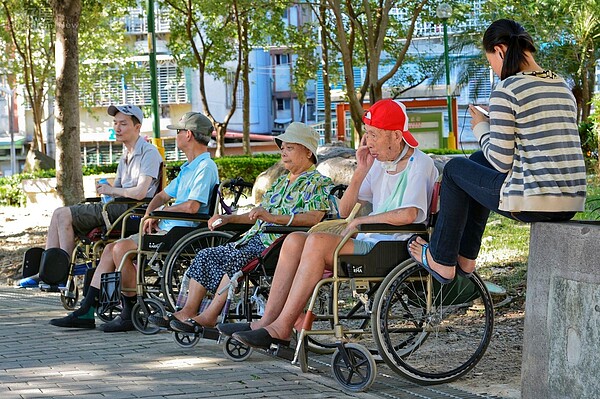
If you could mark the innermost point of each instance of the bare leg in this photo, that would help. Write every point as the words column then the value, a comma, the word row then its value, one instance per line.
column 467, row 265
column 196, row 293
column 128, row 271
column 282, row 279
column 60, row 231
column 106, row 265
column 208, row 318
column 316, row 256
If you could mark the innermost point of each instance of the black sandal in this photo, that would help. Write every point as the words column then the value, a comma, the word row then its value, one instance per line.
column 189, row 326
column 160, row 321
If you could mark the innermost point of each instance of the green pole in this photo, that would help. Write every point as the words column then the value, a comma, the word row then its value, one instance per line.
column 448, row 92
column 152, row 58
column 153, row 81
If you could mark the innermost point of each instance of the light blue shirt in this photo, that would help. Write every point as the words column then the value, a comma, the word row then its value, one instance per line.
column 195, row 181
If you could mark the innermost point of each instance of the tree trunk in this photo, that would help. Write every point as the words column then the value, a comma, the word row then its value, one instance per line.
column 220, row 130
column 68, row 154
column 246, row 86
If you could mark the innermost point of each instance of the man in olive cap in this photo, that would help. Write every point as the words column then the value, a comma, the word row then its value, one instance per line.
column 191, row 190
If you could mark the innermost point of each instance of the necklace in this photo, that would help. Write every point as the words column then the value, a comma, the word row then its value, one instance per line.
column 547, row 74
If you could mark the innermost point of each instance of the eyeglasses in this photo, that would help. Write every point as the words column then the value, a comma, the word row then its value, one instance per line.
column 181, row 130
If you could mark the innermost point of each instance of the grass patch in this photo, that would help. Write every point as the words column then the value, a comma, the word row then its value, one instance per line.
column 504, row 252
column 592, row 203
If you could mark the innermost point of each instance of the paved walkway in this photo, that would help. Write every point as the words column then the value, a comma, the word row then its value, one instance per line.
column 38, row 360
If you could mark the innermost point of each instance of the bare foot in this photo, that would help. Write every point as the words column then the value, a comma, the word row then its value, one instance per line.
column 183, row 316
column 466, row 265
column 278, row 333
column 416, row 249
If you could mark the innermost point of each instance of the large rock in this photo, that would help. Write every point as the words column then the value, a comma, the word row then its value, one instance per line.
column 266, row 180
column 339, row 169
column 335, row 161
column 37, row 160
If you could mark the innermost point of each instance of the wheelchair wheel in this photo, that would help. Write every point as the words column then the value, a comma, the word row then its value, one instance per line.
column 356, row 373
column 185, row 340
column 70, row 295
column 235, row 350
column 139, row 315
column 180, row 257
column 428, row 332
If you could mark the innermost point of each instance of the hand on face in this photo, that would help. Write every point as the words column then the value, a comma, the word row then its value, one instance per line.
column 364, row 158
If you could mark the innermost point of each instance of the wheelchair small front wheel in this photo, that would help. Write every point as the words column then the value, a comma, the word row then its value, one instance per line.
column 235, row 350
column 355, row 370
column 140, row 314
column 185, row 340
column 70, row 295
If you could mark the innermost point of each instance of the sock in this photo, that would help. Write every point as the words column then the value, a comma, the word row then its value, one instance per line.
column 89, row 303
column 128, row 302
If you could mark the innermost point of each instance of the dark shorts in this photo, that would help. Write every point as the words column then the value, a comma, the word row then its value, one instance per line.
column 86, row 217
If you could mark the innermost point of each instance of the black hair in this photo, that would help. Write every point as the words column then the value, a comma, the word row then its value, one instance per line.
column 515, row 38
column 135, row 120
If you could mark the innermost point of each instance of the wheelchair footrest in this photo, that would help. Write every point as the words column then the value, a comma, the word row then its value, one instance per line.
column 283, row 352
column 110, row 290
column 49, row 287
column 210, row 333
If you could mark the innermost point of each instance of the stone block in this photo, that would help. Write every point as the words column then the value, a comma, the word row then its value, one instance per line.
column 561, row 345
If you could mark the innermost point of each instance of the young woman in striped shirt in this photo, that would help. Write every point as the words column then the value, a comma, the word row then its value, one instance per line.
column 530, row 167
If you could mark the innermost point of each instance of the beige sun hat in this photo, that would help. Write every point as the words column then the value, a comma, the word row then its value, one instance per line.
column 300, row 133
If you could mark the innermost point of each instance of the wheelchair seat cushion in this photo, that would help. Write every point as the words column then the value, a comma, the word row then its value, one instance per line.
column 384, row 256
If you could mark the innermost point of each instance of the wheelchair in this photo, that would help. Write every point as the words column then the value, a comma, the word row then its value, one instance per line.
column 384, row 305
column 161, row 260
column 248, row 290
column 63, row 272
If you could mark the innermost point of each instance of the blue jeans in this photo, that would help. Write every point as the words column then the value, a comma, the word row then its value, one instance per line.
column 470, row 190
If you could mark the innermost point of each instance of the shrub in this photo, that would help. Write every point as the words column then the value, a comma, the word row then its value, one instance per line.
column 99, row 169
column 11, row 193
column 246, row 167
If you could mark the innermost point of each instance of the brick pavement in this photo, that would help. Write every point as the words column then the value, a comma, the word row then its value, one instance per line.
column 39, row 360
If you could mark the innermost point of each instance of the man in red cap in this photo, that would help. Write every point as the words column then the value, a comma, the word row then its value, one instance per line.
column 393, row 176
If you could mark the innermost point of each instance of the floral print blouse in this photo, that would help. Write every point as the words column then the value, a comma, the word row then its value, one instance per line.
column 310, row 192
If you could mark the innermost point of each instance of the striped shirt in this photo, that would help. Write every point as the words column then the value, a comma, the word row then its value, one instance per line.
column 533, row 137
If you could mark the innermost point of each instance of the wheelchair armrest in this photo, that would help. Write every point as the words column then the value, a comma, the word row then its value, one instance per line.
column 284, row 229
column 237, row 227
column 390, row 228
column 126, row 200
column 203, row 217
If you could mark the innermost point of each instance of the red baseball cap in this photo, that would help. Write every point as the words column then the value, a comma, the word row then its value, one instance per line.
column 389, row 114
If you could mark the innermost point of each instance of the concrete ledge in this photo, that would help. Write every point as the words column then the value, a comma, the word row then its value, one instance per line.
column 43, row 191
column 561, row 343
